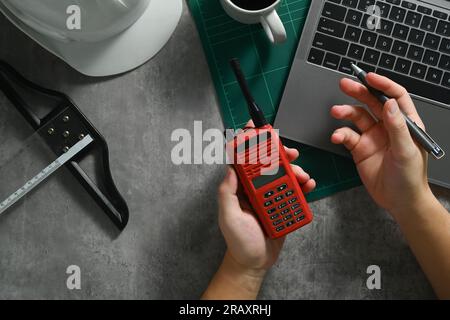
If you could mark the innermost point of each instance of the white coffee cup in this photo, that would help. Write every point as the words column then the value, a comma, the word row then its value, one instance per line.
column 268, row 17
column 100, row 19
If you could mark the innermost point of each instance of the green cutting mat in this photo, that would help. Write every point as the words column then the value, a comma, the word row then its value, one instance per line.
column 267, row 68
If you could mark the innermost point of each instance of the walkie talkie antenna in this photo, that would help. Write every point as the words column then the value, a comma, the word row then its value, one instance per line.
column 255, row 111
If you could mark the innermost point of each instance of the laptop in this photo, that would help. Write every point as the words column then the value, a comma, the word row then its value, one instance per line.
column 410, row 45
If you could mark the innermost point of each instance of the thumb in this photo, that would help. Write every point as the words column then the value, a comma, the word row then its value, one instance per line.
column 228, row 200
column 400, row 139
column 229, row 185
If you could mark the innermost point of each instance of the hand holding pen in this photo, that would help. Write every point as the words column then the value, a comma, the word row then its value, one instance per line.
column 421, row 137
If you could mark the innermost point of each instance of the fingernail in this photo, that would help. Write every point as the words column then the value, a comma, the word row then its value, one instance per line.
column 393, row 108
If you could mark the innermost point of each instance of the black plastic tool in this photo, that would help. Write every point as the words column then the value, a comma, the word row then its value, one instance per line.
column 63, row 115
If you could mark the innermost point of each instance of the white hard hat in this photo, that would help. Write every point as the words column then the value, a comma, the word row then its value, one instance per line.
column 97, row 37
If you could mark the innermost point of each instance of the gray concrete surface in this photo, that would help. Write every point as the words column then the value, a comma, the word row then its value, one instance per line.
column 172, row 245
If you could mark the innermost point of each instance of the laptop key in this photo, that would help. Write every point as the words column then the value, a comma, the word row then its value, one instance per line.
column 400, row 31
column 397, row 14
column 368, row 38
column 434, row 75
column 418, row 87
column 413, row 19
column 431, row 41
column 371, row 56
column 353, row 17
column 424, row 10
column 316, row 56
column 352, row 34
column 446, row 80
column 334, row 11
column 399, row 48
column 409, row 5
column 443, row 28
column 431, row 58
column 384, row 8
column 386, row 27
column 416, row 36
column 350, row 3
column 444, row 62
column 440, row 15
column 397, row 2
column 418, row 70
column 387, row 61
column 322, row 41
column 331, row 27
column 428, row 24
column 366, row 67
column 384, row 43
column 364, row 4
column 331, row 61
column 345, row 66
column 356, row 51
column 402, row 66
column 415, row 53
column 445, row 46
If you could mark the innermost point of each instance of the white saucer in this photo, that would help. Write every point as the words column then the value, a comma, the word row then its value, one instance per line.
column 126, row 51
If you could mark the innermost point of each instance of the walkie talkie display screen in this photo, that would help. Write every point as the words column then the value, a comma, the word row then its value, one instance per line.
column 263, row 180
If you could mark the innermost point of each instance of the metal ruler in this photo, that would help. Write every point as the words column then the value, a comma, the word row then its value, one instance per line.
column 45, row 173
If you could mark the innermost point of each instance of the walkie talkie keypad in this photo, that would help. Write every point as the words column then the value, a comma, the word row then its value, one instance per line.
column 280, row 214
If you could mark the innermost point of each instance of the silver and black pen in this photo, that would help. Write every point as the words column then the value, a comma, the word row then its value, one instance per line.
column 417, row 132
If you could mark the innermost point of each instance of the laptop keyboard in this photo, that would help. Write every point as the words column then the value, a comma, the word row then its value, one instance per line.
column 411, row 45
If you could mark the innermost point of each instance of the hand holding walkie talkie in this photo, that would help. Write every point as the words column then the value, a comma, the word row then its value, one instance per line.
column 265, row 172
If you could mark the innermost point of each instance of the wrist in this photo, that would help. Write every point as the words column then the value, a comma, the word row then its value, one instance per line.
column 231, row 265
column 234, row 281
column 418, row 207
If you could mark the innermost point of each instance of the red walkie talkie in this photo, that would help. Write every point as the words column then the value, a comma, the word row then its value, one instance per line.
column 265, row 172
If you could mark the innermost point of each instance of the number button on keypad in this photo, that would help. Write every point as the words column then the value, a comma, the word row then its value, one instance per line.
column 289, row 193
column 290, row 223
column 277, row 222
column 292, row 200
column 281, row 206
column 278, row 198
column 282, row 187
column 274, row 216
column 269, row 194
column 267, row 203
